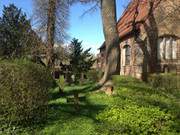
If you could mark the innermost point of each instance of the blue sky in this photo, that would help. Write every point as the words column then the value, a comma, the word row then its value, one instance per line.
column 87, row 28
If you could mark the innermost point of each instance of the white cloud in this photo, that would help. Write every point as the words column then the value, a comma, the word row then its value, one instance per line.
column 94, row 47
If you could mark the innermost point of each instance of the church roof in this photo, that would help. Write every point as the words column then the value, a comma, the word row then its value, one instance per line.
column 124, row 24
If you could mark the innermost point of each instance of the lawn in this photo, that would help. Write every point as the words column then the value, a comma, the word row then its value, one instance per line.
column 66, row 119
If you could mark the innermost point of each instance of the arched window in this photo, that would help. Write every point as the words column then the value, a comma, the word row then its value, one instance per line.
column 127, row 54
column 167, row 48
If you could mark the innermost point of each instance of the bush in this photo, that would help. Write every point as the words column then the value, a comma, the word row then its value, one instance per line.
column 117, row 79
column 165, row 81
column 134, row 120
column 23, row 93
column 61, row 82
column 94, row 75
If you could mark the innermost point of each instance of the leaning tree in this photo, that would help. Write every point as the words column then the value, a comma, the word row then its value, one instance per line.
column 112, row 59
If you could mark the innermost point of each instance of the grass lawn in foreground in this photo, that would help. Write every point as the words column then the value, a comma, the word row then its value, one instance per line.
column 65, row 119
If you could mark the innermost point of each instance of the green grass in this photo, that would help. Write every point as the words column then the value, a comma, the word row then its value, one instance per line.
column 65, row 119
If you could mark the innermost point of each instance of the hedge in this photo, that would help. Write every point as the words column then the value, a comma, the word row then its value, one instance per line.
column 166, row 81
column 23, row 93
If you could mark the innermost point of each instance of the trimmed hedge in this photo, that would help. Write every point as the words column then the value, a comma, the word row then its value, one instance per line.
column 23, row 93
column 165, row 81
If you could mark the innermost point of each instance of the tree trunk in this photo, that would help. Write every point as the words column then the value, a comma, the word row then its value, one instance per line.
column 152, row 41
column 51, row 31
column 149, row 56
column 112, row 59
column 143, row 46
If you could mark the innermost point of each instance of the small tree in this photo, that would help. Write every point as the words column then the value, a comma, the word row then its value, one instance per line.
column 81, row 61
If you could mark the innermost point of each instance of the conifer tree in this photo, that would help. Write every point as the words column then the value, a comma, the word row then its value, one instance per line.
column 14, row 27
column 81, row 60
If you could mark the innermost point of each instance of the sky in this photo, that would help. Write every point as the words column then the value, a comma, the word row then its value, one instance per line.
column 87, row 28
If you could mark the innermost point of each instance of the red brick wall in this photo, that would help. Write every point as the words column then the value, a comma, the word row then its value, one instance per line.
column 135, row 69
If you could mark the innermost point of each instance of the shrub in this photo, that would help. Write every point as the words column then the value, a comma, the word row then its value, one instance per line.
column 61, row 82
column 125, row 80
column 23, row 93
column 134, row 120
column 94, row 75
column 166, row 81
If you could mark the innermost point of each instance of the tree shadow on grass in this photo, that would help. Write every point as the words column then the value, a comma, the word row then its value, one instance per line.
column 64, row 111
column 81, row 90
column 55, row 95
column 170, row 106
column 146, row 89
column 84, row 90
column 143, row 95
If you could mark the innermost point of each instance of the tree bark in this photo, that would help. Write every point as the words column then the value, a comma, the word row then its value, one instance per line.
column 51, row 31
column 146, row 55
column 152, row 41
column 112, row 59
column 149, row 56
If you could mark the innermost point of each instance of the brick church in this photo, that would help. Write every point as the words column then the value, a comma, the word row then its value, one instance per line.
column 165, row 23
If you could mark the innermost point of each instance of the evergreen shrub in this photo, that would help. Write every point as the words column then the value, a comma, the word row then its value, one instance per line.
column 23, row 93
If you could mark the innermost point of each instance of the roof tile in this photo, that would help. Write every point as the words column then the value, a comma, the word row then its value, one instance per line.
column 124, row 24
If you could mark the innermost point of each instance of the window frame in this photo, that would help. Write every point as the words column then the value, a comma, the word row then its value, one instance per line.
column 168, row 48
